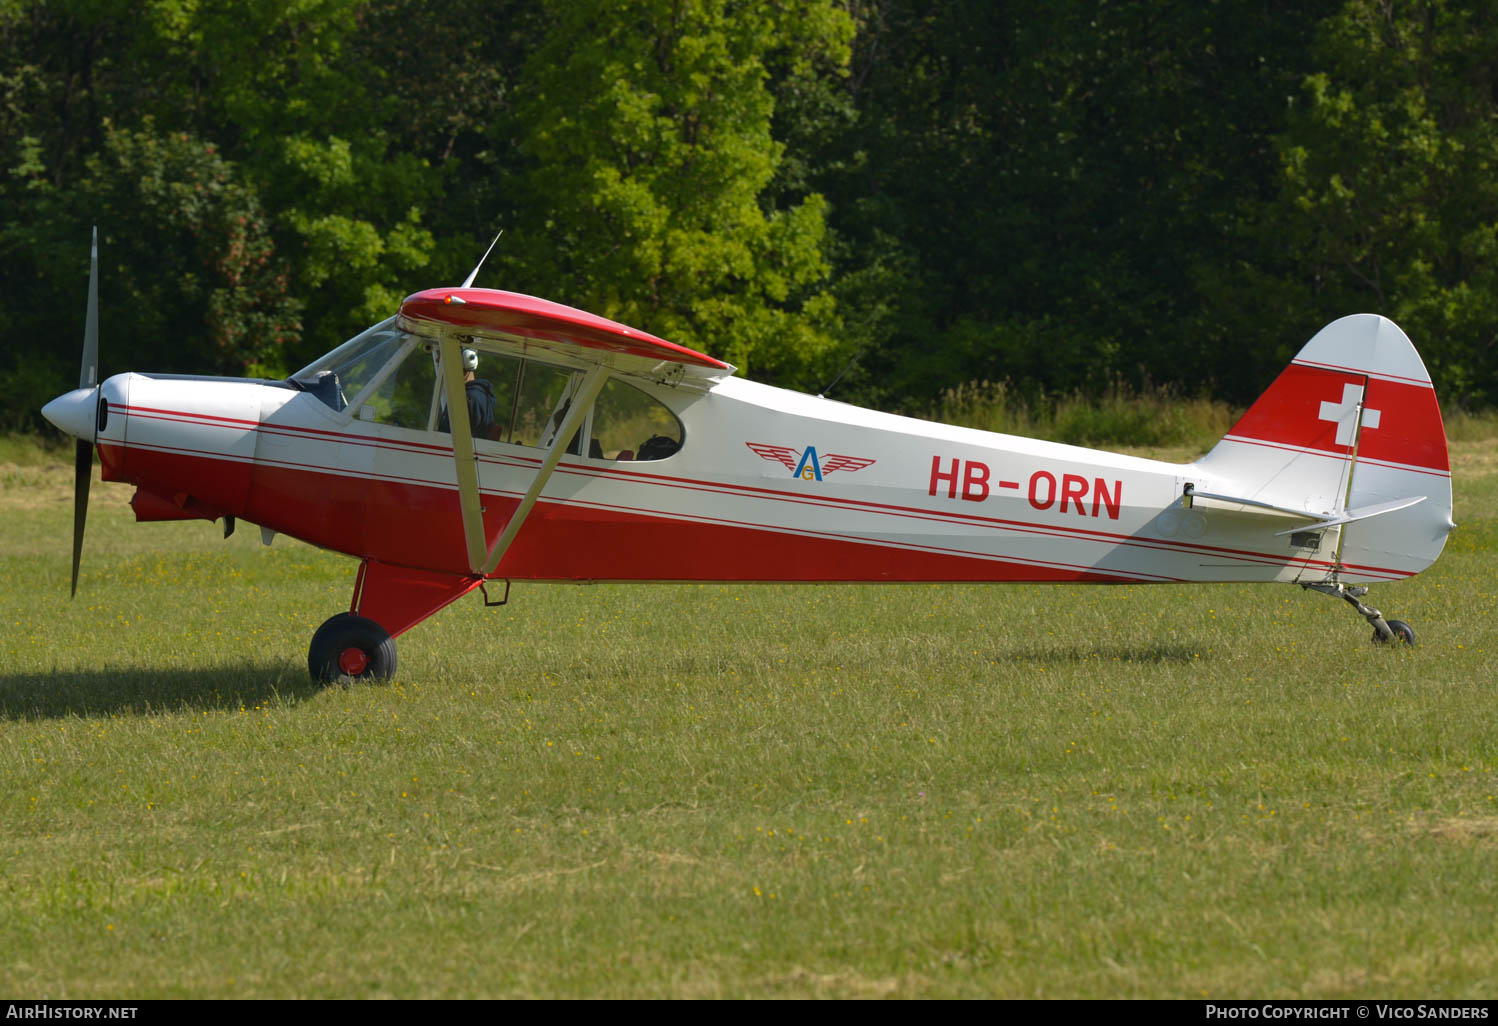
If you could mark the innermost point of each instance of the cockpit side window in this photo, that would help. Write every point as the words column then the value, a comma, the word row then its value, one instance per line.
column 489, row 395
column 520, row 398
column 540, row 403
column 503, row 374
column 404, row 397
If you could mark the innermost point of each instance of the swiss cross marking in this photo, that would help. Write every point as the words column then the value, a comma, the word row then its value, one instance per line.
column 1344, row 414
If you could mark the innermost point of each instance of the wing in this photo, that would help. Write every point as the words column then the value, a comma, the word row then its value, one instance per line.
column 777, row 454
column 490, row 313
column 834, row 461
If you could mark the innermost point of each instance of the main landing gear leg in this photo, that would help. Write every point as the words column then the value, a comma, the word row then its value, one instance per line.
column 1384, row 631
column 388, row 601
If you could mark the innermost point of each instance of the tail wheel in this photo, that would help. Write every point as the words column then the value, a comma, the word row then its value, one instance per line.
column 1402, row 632
column 349, row 647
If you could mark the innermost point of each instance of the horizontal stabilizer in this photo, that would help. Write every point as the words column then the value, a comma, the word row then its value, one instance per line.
column 1323, row 520
column 1361, row 513
column 1194, row 494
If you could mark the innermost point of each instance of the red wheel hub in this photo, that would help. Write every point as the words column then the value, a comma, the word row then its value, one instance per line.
column 353, row 661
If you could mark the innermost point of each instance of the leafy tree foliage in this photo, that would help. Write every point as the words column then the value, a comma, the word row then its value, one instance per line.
column 1065, row 195
column 189, row 276
column 1036, row 190
column 647, row 134
column 1389, row 200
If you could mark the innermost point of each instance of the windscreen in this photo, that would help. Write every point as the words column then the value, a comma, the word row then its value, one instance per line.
column 339, row 376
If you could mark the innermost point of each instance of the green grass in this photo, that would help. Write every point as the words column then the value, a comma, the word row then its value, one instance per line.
column 31, row 451
column 1462, row 426
column 1122, row 417
column 701, row 791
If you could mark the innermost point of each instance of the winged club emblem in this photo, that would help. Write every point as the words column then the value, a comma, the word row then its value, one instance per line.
column 805, row 463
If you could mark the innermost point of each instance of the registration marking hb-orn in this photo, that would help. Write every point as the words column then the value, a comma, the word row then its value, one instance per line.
column 1069, row 494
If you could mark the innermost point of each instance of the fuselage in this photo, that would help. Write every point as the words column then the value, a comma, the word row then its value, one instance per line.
column 767, row 485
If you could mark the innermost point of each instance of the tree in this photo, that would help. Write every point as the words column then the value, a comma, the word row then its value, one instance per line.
column 1048, row 192
column 190, row 280
column 1389, row 199
column 318, row 128
column 646, row 128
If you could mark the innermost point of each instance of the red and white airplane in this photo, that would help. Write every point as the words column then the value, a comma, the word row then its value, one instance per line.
column 613, row 455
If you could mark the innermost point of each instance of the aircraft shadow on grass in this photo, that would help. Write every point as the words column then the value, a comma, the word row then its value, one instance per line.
column 1158, row 653
column 107, row 692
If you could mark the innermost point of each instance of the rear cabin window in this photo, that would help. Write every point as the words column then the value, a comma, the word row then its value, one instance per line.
column 630, row 425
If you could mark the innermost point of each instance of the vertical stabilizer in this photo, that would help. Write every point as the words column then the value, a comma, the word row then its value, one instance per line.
column 1352, row 423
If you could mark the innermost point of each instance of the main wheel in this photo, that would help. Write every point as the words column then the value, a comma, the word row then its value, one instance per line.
column 349, row 647
column 1402, row 632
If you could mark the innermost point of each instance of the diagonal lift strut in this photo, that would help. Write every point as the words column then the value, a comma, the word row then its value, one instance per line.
column 483, row 561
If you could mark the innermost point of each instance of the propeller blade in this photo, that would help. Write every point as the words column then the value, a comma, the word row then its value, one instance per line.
column 88, row 377
column 88, row 374
column 83, row 472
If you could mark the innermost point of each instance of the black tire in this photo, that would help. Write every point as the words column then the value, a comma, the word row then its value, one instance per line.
column 348, row 648
column 1402, row 632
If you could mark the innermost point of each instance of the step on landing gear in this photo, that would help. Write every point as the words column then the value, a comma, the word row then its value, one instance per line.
column 1384, row 631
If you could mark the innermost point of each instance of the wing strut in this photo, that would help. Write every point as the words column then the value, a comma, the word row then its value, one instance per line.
column 462, row 431
column 582, row 402
column 479, row 561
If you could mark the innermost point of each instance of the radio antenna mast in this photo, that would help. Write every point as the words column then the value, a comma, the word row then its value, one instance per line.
column 468, row 281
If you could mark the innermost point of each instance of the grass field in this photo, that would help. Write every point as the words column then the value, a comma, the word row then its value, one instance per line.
column 645, row 791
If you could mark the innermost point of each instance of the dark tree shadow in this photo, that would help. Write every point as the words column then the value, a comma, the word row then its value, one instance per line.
column 105, row 692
